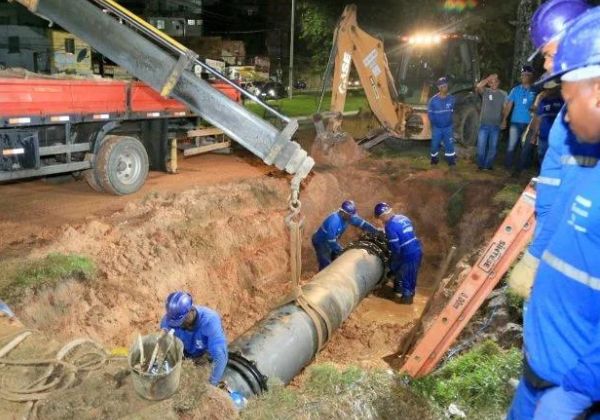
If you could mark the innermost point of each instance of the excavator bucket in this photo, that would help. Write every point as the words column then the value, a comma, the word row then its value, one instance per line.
column 334, row 148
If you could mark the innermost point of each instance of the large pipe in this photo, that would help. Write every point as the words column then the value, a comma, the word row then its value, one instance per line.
column 286, row 340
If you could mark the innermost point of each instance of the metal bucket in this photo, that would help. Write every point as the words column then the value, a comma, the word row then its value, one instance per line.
column 161, row 385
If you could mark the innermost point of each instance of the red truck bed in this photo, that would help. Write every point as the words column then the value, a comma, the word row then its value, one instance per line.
column 47, row 97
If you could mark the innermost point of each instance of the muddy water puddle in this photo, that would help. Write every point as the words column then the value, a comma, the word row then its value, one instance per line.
column 382, row 309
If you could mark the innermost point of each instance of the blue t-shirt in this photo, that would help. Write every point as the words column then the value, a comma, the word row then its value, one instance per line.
column 523, row 99
column 401, row 236
column 547, row 110
column 207, row 335
column 441, row 111
column 335, row 225
column 562, row 321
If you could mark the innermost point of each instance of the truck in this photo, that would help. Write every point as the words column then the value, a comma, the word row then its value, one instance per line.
column 109, row 138
column 111, row 132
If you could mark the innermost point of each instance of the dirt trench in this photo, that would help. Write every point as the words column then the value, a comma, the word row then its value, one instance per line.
column 228, row 246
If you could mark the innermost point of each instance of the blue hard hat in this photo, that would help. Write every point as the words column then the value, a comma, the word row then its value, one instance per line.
column 177, row 306
column 579, row 50
column 348, row 207
column 552, row 18
column 441, row 81
column 381, row 209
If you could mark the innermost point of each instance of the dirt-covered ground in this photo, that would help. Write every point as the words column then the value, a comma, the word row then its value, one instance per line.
column 217, row 231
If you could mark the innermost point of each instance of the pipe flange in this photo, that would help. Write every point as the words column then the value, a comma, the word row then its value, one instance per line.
column 375, row 245
column 248, row 370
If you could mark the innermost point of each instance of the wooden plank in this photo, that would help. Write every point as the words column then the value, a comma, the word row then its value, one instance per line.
column 192, row 151
column 204, row 132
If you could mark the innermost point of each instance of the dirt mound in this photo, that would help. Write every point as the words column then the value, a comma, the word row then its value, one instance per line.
column 337, row 150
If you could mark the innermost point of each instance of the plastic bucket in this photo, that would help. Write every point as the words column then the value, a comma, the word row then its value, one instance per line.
column 162, row 385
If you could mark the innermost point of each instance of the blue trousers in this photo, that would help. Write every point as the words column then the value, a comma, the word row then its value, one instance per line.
column 525, row 401
column 324, row 253
column 514, row 136
column 487, row 145
column 445, row 135
column 406, row 272
column 542, row 149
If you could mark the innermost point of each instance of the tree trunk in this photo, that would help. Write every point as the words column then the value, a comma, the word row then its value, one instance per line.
column 523, row 45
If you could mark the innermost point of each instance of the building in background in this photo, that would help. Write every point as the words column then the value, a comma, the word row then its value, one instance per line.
column 177, row 18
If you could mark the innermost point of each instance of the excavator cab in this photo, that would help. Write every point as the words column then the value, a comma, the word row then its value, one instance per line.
column 418, row 61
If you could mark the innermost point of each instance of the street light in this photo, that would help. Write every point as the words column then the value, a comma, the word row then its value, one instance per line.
column 292, row 30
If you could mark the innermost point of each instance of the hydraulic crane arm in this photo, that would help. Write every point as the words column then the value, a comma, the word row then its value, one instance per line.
column 353, row 45
column 164, row 64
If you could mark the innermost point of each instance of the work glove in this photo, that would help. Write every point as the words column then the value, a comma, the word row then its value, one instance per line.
column 559, row 404
column 520, row 279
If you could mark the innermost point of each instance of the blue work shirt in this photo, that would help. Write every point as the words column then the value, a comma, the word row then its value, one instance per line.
column 562, row 321
column 207, row 335
column 402, row 238
column 334, row 227
column 547, row 110
column 560, row 168
column 523, row 99
column 441, row 111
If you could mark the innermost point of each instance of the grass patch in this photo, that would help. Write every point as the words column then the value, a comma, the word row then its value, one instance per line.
column 476, row 381
column 307, row 104
column 515, row 305
column 331, row 392
column 508, row 195
column 16, row 277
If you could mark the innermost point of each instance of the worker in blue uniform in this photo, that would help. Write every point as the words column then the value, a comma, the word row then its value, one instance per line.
column 561, row 379
column 441, row 113
column 564, row 152
column 325, row 239
column 405, row 249
column 199, row 329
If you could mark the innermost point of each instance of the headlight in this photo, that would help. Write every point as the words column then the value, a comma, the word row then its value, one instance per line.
column 272, row 92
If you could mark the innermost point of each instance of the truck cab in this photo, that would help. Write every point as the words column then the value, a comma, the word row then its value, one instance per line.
column 417, row 61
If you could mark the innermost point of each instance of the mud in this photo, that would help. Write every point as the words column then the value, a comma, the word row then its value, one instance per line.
column 226, row 243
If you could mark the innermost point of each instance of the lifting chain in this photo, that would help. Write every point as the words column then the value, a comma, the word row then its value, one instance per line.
column 295, row 222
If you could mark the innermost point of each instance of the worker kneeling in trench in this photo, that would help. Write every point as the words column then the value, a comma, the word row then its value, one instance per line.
column 406, row 251
column 325, row 239
column 200, row 330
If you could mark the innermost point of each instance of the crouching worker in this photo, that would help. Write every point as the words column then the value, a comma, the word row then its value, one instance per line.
column 405, row 249
column 325, row 239
column 199, row 329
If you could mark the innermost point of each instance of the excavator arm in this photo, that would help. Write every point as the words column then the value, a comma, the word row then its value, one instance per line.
column 166, row 66
column 355, row 46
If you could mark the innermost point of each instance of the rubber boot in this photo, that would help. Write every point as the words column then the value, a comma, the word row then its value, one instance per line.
column 403, row 300
column 435, row 160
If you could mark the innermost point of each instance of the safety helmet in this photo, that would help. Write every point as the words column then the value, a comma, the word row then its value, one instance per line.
column 348, row 207
column 552, row 18
column 441, row 81
column 381, row 209
column 578, row 53
column 177, row 306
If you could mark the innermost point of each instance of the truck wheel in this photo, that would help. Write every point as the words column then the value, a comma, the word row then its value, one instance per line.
column 469, row 126
column 121, row 165
column 90, row 177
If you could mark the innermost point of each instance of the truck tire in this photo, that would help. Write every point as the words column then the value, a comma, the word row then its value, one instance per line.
column 90, row 177
column 121, row 165
column 469, row 127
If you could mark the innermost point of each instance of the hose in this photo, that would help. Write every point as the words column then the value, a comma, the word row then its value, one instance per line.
column 59, row 374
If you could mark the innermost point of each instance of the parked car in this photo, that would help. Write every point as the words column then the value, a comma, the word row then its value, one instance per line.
column 300, row 85
column 272, row 90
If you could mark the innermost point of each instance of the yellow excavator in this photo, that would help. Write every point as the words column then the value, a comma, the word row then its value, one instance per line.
column 352, row 45
column 398, row 103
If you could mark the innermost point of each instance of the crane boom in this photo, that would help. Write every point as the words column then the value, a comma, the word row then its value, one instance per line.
column 165, row 65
